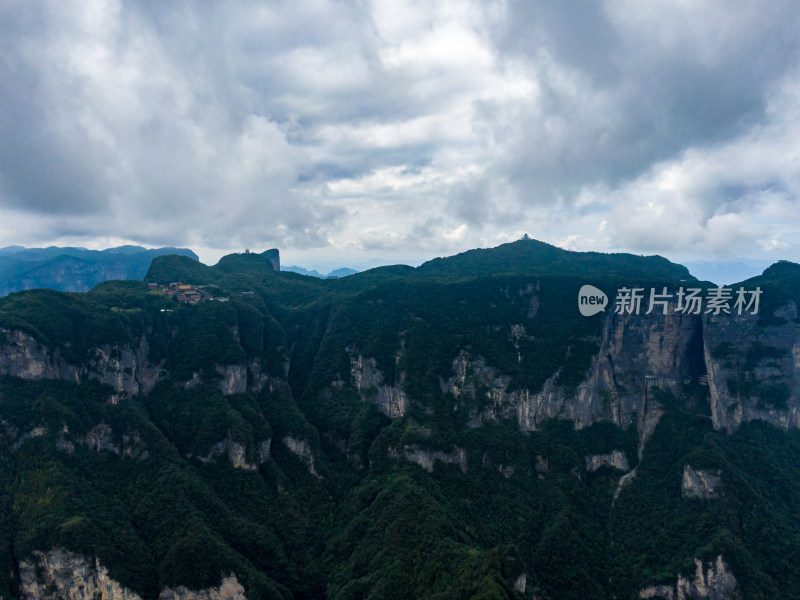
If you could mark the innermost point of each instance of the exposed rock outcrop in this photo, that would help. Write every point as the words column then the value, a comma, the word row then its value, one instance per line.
column 258, row 379
column 62, row 575
column 701, row 484
column 665, row 348
column 712, row 581
column 542, row 465
column 125, row 368
column 237, row 453
column 229, row 589
column 636, row 353
column 264, row 450
column 615, row 458
column 101, row 439
column 11, row 437
column 427, row 458
column 133, row 446
column 302, row 450
column 233, row 379
column 391, row 400
column 754, row 368
column 520, row 583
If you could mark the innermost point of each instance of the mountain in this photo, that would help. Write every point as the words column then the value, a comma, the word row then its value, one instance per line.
column 74, row 269
column 457, row 430
column 302, row 271
column 344, row 272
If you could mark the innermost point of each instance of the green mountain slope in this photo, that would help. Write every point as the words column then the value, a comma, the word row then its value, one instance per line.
column 453, row 431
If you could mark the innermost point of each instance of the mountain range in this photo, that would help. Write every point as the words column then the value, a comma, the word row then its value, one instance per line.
column 457, row 430
column 336, row 273
column 74, row 269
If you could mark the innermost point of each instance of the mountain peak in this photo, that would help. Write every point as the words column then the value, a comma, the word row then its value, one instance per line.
column 248, row 261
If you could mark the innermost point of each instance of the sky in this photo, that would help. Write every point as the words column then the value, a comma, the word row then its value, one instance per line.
column 347, row 131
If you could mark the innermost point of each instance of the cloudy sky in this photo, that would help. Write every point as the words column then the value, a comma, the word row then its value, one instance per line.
column 348, row 130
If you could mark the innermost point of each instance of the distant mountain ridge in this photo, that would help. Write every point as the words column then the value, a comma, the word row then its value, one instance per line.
column 335, row 274
column 75, row 269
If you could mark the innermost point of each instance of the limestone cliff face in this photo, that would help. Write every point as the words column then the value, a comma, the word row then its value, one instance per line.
column 697, row 483
column 426, row 458
column 237, row 453
column 229, row 589
column 62, row 575
column 636, row 353
column 616, row 459
column 125, row 368
column 233, row 379
column 259, row 379
column 641, row 352
column 712, row 581
column 13, row 438
column 302, row 450
column 100, row 438
column 369, row 381
column 754, row 368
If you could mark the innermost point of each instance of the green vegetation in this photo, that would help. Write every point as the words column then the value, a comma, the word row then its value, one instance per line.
column 348, row 503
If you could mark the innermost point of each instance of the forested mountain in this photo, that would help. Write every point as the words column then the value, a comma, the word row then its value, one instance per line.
column 453, row 431
column 74, row 269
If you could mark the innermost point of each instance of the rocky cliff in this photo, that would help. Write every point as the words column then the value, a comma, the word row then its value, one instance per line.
column 711, row 581
column 753, row 366
column 128, row 369
column 125, row 368
column 697, row 483
column 638, row 357
column 751, row 370
column 62, row 575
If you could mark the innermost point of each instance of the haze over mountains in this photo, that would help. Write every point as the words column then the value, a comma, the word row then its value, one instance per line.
column 342, row 272
column 74, row 269
column 71, row 269
column 452, row 431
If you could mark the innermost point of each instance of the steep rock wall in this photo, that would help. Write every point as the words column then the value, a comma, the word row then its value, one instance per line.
column 636, row 354
column 62, row 575
column 712, row 581
column 754, row 368
column 698, row 483
column 368, row 379
column 125, row 368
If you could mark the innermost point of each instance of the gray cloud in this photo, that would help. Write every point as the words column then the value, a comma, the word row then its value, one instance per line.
column 414, row 127
column 624, row 85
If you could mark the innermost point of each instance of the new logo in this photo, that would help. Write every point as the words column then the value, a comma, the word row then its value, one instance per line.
column 591, row 300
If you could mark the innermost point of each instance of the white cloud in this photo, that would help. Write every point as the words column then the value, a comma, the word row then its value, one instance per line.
column 408, row 128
